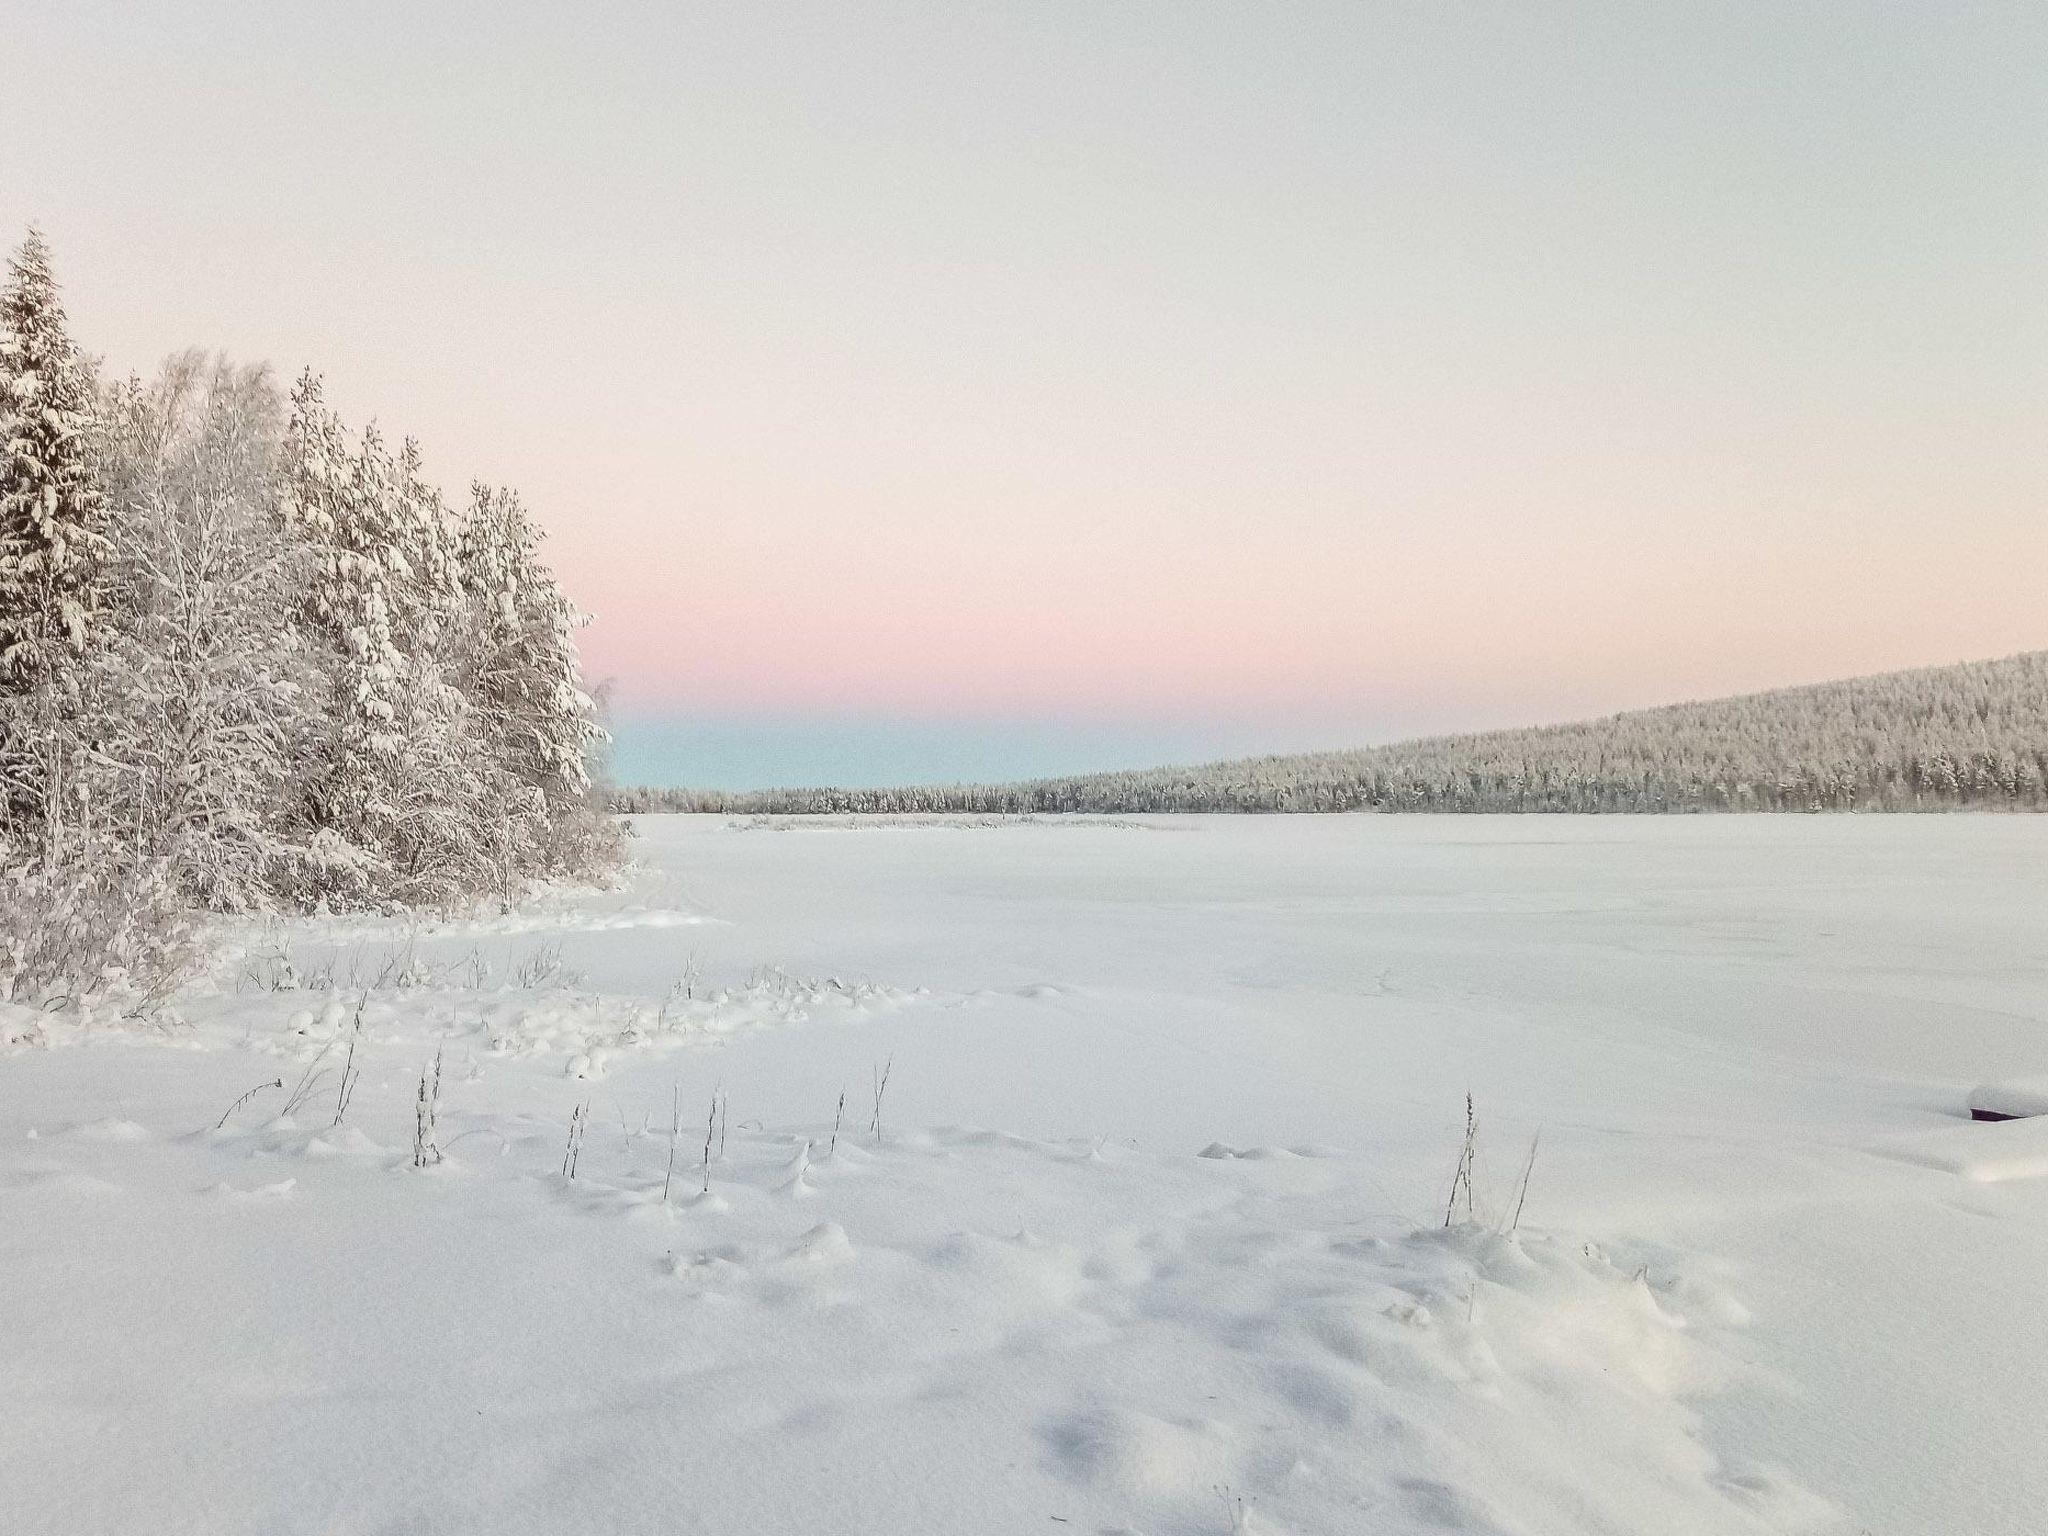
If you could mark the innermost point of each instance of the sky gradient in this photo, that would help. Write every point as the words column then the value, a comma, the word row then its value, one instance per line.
column 970, row 390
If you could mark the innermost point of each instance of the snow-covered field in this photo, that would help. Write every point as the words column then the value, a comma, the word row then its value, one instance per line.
column 1151, row 1235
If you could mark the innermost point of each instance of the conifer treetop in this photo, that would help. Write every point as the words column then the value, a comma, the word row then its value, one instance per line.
column 53, row 537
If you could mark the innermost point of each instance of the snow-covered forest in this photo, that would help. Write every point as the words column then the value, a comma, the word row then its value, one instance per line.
column 1970, row 735
column 252, row 661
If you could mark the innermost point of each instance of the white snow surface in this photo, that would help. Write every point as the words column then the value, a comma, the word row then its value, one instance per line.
column 1151, row 1238
column 1987, row 1153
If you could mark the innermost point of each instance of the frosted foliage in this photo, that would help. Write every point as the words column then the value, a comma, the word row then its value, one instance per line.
column 241, row 667
column 525, row 677
column 51, row 512
column 202, row 690
column 456, row 733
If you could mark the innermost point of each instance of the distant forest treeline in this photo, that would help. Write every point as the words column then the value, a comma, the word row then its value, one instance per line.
column 1937, row 738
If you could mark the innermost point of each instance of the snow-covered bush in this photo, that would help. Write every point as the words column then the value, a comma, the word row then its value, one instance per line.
column 85, row 922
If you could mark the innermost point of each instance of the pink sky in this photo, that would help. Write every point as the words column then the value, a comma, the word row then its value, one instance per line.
column 1358, row 371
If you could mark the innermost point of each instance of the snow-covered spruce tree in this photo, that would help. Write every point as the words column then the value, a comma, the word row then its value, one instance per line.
column 314, row 479
column 84, row 910
column 434, row 593
column 344, row 506
column 397, row 798
column 441, row 841
column 313, row 464
column 525, row 680
column 453, row 743
column 53, row 540
column 354, row 587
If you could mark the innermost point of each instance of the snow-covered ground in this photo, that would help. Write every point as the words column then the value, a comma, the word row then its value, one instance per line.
column 1151, row 1237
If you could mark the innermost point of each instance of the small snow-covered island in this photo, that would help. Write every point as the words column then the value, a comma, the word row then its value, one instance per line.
column 957, row 771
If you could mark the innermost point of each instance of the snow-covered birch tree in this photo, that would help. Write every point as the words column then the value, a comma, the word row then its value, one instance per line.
column 204, row 686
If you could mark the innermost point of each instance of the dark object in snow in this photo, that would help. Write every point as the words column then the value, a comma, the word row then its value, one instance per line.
column 2019, row 1098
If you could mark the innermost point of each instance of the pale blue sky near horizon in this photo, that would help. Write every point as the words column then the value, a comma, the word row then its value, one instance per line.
column 866, row 753
column 919, row 390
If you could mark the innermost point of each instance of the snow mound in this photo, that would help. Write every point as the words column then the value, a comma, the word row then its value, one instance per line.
column 56, row 1179
column 281, row 1190
column 20, row 1026
column 2014, row 1099
column 1222, row 1151
column 110, row 1130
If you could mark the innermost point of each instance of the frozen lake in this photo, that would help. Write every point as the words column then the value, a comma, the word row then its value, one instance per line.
column 1744, row 1042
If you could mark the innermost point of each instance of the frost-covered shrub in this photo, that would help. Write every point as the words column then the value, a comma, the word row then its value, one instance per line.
column 89, row 923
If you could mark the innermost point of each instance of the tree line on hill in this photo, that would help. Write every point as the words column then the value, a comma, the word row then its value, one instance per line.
column 250, row 660
column 1973, row 735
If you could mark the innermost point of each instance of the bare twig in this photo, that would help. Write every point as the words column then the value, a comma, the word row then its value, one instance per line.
column 710, row 1127
column 578, row 1118
column 1462, row 1179
column 1528, row 1168
column 349, row 1074
column 245, row 1098
column 881, row 1087
column 543, row 968
column 837, row 1117
column 308, row 1080
column 426, row 1111
column 675, row 1121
